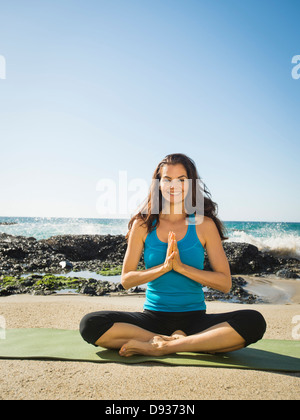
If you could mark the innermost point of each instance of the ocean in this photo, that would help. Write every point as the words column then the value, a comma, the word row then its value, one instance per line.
column 277, row 238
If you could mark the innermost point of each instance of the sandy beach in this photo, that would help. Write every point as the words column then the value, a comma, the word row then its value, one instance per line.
column 111, row 381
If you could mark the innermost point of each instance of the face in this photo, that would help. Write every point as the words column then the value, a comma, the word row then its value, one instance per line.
column 173, row 183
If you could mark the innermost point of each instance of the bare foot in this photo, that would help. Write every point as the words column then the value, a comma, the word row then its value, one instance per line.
column 167, row 337
column 153, row 347
column 178, row 334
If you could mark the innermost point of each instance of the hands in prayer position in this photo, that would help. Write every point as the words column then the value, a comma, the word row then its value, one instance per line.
column 173, row 261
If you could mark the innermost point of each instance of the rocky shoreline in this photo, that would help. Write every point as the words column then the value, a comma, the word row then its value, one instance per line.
column 38, row 284
column 104, row 254
column 8, row 223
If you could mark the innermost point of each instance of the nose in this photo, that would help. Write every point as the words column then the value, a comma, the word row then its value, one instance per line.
column 175, row 185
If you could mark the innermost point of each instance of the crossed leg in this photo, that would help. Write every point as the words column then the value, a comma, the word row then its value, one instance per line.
column 120, row 333
column 131, row 339
column 221, row 338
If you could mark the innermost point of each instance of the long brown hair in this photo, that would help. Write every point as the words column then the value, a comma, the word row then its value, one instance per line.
column 148, row 216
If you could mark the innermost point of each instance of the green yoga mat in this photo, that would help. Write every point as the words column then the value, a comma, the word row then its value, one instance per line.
column 52, row 344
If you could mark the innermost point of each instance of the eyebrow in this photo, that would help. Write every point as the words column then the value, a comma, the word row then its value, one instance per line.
column 178, row 177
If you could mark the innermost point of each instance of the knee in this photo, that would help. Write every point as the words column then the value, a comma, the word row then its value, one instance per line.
column 251, row 325
column 94, row 325
column 87, row 328
column 256, row 326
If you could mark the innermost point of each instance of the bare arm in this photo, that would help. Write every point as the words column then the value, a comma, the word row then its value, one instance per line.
column 130, row 276
column 220, row 277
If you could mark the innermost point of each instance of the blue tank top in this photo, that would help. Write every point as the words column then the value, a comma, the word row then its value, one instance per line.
column 172, row 291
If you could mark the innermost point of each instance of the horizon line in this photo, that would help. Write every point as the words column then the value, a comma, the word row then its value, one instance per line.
column 129, row 217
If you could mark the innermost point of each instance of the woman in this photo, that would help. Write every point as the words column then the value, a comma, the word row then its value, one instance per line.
column 174, row 226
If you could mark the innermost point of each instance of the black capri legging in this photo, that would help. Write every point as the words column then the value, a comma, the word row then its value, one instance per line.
column 250, row 324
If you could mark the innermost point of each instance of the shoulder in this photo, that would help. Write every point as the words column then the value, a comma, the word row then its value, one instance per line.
column 139, row 230
column 208, row 223
column 206, row 229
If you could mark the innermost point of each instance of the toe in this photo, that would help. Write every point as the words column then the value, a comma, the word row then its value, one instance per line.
column 122, row 351
column 179, row 333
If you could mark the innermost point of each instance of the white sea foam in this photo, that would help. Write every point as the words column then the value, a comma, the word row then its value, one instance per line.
column 281, row 244
column 43, row 228
column 280, row 239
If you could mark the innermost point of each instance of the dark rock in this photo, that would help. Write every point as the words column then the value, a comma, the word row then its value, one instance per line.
column 100, row 291
column 112, row 287
column 8, row 223
column 236, row 294
column 15, row 253
column 8, row 290
column 88, row 290
column 88, row 247
column 20, row 254
column 287, row 274
column 241, row 257
column 136, row 289
column 245, row 258
column 29, row 282
column 119, row 287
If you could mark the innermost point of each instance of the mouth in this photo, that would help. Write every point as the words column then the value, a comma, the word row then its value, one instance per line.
column 173, row 194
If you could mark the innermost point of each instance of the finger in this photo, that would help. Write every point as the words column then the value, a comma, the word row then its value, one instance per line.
column 174, row 237
column 174, row 244
column 170, row 246
column 170, row 256
column 169, row 241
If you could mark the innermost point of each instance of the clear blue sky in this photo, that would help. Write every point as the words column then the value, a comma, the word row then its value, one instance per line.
column 96, row 87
